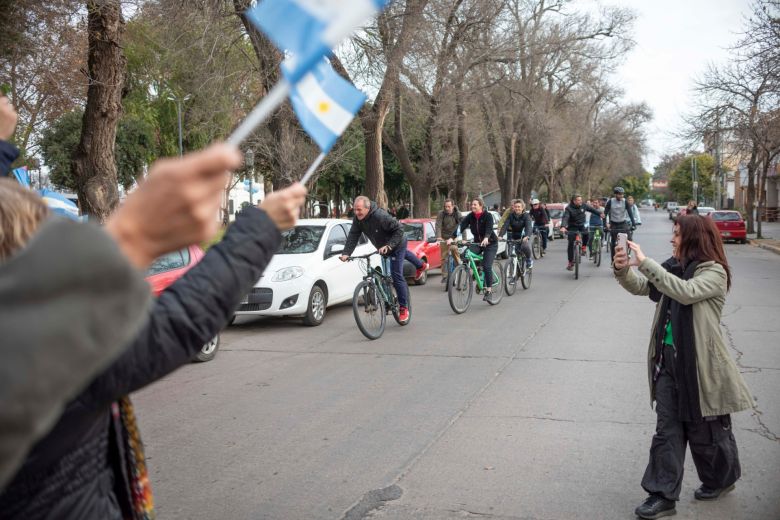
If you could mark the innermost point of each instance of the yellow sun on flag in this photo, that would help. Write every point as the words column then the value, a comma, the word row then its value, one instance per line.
column 323, row 107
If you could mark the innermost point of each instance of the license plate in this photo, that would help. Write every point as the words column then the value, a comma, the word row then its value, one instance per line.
column 726, row 234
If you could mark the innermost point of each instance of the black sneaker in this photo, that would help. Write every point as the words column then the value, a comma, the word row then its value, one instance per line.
column 655, row 506
column 487, row 295
column 706, row 493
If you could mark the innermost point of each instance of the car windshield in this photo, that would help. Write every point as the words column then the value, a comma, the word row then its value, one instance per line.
column 413, row 232
column 705, row 209
column 555, row 213
column 169, row 262
column 726, row 217
column 301, row 240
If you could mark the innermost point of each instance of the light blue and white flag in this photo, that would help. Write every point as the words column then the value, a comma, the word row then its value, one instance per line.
column 60, row 204
column 310, row 29
column 22, row 176
column 325, row 103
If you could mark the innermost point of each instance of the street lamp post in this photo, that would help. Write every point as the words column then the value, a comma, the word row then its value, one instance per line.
column 178, row 100
column 249, row 160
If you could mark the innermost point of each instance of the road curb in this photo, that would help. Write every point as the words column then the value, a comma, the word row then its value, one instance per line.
column 762, row 245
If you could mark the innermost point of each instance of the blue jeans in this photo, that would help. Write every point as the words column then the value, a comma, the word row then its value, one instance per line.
column 397, row 272
column 416, row 262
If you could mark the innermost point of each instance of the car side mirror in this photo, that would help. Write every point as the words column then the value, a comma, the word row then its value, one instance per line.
column 335, row 249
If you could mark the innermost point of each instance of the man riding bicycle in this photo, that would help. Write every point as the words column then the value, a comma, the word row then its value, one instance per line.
column 520, row 227
column 447, row 223
column 480, row 222
column 541, row 218
column 596, row 222
column 387, row 235
column 574, row 221
column 619, row 217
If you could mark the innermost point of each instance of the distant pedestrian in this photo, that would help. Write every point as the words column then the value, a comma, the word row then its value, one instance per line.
column 692, row 209
column 693, row 380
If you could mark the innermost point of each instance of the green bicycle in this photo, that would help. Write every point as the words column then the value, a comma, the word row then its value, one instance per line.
column 461, row 283
column 596, row 245
column 374, row 297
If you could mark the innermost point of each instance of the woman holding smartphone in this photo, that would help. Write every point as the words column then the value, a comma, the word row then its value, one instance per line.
column 693, row 380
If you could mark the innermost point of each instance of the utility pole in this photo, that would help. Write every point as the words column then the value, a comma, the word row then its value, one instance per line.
column 249, row 160
column 694, row 181
column 718, row 173
column 178, row 100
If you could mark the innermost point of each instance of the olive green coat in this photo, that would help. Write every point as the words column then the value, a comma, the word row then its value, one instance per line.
column 721, row 387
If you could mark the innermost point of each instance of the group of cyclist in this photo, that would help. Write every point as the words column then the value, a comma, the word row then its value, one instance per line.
column 619, row 215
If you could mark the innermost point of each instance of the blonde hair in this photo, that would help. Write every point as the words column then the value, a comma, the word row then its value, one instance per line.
column 21, row 212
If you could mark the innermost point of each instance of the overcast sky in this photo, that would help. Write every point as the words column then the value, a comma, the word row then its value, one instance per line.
column 675, row 40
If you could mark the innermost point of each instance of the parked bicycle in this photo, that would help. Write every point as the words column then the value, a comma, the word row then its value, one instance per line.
column 462, row 280
column 515, row 269
column 374, row 297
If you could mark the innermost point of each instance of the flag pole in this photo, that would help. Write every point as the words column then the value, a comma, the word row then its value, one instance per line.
column 261, row 112
column 312, row 168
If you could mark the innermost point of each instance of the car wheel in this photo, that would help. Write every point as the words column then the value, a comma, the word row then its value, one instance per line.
column 315, row 312
column 209, row 350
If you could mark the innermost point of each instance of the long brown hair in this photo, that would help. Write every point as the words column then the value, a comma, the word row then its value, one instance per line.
column 700, row 241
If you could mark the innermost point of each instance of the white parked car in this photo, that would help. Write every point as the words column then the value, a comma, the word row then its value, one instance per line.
column 306, row 276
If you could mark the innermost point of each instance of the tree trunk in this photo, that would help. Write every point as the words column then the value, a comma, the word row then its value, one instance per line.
column 94, row 166
column 762, row 192
column 375, row 172
column 421, row 192
column 463, row 152
column 751, row 189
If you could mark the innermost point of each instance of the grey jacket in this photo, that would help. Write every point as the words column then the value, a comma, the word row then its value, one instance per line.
column 69, row 303
column 721, row 387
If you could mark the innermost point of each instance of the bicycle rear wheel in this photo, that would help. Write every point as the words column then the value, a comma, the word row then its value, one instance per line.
column 460, row 289
column 536, row 246
column 510, row 276
column 369, row 309
column 498, row 284
column 525, row 275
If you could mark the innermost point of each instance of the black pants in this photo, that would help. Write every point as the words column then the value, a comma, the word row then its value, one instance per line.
column 543, row 232
column 712, row 444
column 572, row 236
column 488, row 256
column 614, row 229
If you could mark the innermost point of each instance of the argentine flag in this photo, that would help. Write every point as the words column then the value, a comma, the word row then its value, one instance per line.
column 325, row 103
column 310, row 29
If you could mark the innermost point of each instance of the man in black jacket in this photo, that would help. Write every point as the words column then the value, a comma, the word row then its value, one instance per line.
column 386, row 234
column 574, row 220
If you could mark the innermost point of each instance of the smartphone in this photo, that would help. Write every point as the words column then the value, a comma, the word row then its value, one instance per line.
column 622, row 241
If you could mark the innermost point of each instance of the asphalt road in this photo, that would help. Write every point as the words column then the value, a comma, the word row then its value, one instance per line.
column 537, row 408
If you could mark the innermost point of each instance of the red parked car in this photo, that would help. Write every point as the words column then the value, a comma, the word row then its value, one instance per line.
column 730, row 225
column 421, row 241
column 169, row 268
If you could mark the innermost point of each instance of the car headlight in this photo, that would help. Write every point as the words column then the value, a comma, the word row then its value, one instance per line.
column 287, row 274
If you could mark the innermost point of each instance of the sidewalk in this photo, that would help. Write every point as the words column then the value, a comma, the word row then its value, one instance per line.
column 771, row 233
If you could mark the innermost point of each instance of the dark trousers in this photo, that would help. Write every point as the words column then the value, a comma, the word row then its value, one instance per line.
column 397, row 258
column 712, row 444
column 488, row 257
column 614, row 229
column 416, row 262
column 543, row 232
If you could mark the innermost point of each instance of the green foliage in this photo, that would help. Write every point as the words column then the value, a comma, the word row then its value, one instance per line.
column 134, row 143
column 638, row 187
column 681, row 181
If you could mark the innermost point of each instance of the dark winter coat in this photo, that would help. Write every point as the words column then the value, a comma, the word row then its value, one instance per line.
column 540, row 216
column 76, row 471
column 8, row 154
column 575, row 216
column 447, row 223
column 381, row 228
column 518, row 225
column 481, row 227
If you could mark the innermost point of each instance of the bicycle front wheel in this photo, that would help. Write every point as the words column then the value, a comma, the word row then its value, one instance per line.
column 369, row 309
column 510, row 276
column 460, row 289
column 577, row 252
column 597, row 257
column 498, row 284
column 536, row 246
column 525, row 276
